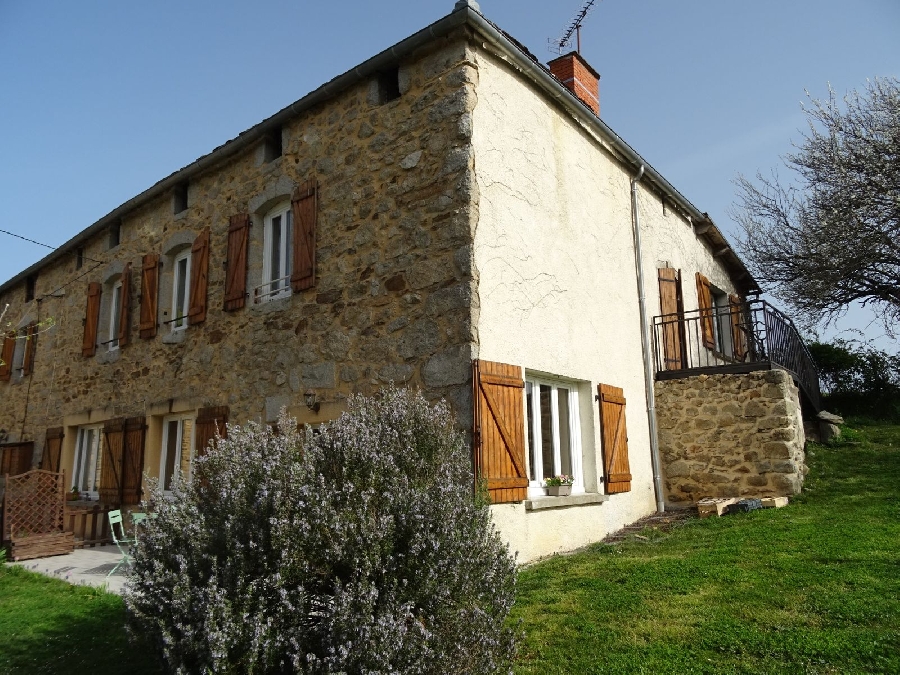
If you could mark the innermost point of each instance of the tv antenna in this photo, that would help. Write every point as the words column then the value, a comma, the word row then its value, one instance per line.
column 559, row 44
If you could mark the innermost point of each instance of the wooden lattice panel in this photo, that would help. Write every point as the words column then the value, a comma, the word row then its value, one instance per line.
column 35, row 504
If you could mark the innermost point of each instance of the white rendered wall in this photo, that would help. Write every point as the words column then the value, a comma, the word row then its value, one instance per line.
column 557, row 289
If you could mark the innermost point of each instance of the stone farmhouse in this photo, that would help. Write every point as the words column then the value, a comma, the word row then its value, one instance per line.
column 450, row 215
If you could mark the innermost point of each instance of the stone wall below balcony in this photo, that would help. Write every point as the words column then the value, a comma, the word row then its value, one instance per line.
column 730, row 436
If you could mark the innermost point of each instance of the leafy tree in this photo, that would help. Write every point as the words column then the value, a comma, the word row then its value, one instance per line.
column 832, row 237
column 858, row 379
column 358, row 549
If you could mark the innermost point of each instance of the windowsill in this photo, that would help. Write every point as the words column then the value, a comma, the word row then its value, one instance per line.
column 110, row 356
column 272, row 304
column 541, row 503
column 175, row 337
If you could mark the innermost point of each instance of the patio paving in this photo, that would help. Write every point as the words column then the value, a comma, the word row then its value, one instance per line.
column 86, row 566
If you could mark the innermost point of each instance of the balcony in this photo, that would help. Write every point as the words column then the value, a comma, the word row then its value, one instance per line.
column 735, row 338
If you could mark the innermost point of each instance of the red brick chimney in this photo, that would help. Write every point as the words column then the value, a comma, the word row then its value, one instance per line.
column 577, row 76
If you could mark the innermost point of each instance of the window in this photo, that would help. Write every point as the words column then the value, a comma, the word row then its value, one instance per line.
column 388, row 85
column 180, row 286
column 722, row 323
column 115, row 235
column 272, row 146
column 79, row 257
column 180, row 199
column 30, row 286
column 115, row 315
column 277, row 249
column 86, row 472
column 553, row 431
column 177, row 444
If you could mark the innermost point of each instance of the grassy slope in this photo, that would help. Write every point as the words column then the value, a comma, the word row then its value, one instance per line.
column 812, row 588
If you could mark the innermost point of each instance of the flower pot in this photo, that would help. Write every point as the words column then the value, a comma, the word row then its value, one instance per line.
column 559, row 490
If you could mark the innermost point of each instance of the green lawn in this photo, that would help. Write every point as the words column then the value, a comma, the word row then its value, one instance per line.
column 812, row 588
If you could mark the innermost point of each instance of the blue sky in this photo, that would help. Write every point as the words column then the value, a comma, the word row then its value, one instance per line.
column 101, row 99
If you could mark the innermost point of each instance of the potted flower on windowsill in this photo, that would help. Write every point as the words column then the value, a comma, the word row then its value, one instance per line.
column 73, row 495
column 559, row 486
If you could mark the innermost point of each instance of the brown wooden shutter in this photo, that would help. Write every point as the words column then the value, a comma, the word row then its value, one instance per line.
column 615, row 439
column 738, row 327
column 15, row 458
column 149, row 295
column 110, row 489
column 209, row 420
column 52, row 449
column 6, row 356
column 91, row 320
column 672, row 310
column 304, row 210
column 133, row 459
column 125, row 311
column 236, row 267
column 31, row 333
column 199, row 278
column 499, row 433
column 704, row 300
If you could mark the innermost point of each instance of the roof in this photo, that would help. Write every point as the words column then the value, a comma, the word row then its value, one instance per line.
column 466, row 13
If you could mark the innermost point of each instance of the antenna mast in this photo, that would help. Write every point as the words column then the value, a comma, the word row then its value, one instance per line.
column 559, row 44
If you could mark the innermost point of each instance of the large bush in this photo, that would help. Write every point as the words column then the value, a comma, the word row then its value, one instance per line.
column 858, row 379
column 358, row 549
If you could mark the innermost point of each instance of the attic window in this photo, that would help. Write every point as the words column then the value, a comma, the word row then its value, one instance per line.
column 115, row 235
column 388, row 85
column 79, row 257
column 180, row 199
column 272, row 148
column 30, row 284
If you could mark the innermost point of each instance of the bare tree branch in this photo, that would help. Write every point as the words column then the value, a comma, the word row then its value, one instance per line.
column 832, row 237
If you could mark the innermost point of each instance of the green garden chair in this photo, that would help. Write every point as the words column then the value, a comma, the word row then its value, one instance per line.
column 121, row 540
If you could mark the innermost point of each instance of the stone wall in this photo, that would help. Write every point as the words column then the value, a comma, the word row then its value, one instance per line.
column 392, row 299
column 730, row 436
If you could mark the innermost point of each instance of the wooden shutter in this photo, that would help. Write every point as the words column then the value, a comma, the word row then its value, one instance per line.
column 704, row 300
column 6, row 356
column 615, row 439
column 111, row 462
column 31, row 333
column 236, row 265
column 149, row 295
column 304, row 209
column 499, row 433
column 133, row 459
column 672, row 310
column 52, row 449
column 199, row 278
column 738, row 327
column 125, row 307
column 209, row 420
column 15, row 458
column 91, row 320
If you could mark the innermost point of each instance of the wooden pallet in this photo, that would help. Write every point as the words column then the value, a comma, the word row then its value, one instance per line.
column 714, row 506
column 774, row 502
column 41, row 545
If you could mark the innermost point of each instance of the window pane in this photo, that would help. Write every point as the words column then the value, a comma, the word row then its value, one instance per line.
column 114, row 313
column 546, row 432
column 187, row 428
column 171, row 451
column 276, row 253
column 180, row 291
column 565, row 437
column 529, row 413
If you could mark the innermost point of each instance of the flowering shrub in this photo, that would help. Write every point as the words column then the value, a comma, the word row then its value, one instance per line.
column 359, row 549
column 561, row 479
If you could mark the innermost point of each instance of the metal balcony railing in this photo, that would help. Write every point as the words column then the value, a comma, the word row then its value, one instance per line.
column 733, row 338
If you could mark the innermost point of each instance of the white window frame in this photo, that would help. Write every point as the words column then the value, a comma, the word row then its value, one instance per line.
column 274, row 287
column 88, row 459
column 721, row 308
column 180, row 314
column 115, row 312
column 534, row 458
column 163, row 453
